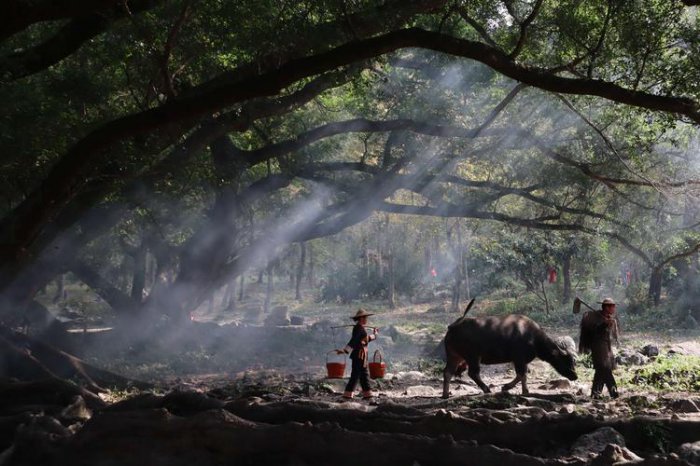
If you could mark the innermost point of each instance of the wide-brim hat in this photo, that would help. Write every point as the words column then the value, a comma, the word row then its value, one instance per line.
column 361, row 313
column 607, row 301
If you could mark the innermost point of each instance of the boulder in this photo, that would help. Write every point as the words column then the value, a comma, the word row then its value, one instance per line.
column 279, row 315
column 690, row 452
column 568, row 343
column 614, row 455
column 631, row 358
column 421, row 390
column 592, row 444
column 297, row 320
column 410, row 376
column 650, row 350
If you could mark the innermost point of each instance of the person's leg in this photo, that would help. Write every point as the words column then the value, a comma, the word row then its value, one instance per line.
column 364, row 383
column 597, row 388
column 354, row 376
column 609, row 380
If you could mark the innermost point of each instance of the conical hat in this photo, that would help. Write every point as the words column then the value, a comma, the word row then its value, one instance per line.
column 361, row 313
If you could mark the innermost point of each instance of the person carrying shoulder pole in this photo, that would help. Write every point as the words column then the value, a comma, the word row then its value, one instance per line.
column 598, row 330
column 357, row 347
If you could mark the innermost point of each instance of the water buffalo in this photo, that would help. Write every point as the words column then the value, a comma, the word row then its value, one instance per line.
column 470, row 342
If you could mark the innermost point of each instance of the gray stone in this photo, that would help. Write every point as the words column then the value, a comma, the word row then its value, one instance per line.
column 297, row 320
column 595, row 442
column 410, row 376
column 690, row 452
column 279, row 315
column 631, row 358
column 567, row 409
column 76, row 411
column 613, row 455
column 685, row 406
column 650, row 350
column 420, row 390
column 559, row 384
column 568, row 343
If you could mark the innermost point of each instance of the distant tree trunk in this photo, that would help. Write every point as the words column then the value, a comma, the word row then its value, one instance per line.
column 261, row 272
column 229, row 302
column 241, row 288
column 655, row 285
column 138, row 282
column 566, row 272
column 392, row 282
column 270, row 287
column 310, row 276
column 457, row 271
column 465, row 269
column 300, row 270
column 60, row 289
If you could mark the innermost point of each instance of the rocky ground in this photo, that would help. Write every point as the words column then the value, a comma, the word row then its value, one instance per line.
column 257, row 394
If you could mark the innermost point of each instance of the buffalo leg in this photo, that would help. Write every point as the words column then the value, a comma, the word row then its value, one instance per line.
column 520, row 376
column 474, row 372
column 453, row 363
column 523, row 382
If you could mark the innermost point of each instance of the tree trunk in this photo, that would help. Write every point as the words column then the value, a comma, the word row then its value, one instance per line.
column 241, row 289
column 655, row 285
column 270, row 287
column 310, row 276
column 457, row 271
column 60, row 289
column 566, row 272
column 138, row 282
column 229, row 303
column 300, row 270
column 392, row 282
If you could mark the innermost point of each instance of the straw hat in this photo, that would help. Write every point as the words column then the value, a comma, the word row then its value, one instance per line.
column 607, row 301
column 361, row 313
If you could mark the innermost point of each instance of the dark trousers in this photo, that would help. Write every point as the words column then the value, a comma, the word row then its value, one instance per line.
column 359, row 371
column 603, row 376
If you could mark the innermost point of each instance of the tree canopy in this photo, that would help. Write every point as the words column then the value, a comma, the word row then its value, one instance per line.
column 213, row 135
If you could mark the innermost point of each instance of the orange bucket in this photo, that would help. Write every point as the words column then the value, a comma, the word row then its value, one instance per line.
column 336, row 370
column 377, row 369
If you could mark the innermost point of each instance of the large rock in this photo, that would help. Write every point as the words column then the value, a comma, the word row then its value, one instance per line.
column 279, row 315
column 568, row 343
column 594, row 443
column 297, row 320
column 650, row 350
column 410, row 376
column 690, row 452
column 614, row 455
column 421, row 390
column 631, row 358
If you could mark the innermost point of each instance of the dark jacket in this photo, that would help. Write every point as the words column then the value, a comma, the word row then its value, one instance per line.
column 357, row 346
column 597, row 335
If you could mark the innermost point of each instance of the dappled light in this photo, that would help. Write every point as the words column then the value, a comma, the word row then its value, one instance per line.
column 417, row 231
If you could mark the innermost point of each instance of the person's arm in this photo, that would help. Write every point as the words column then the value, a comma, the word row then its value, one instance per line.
column 616, row 331
column 354, row 340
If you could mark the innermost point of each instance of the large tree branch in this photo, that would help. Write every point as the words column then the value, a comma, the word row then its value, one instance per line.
column 117, row 300
column 85, row 158
column 523, row 30
column 18, row 14
column 69, row 38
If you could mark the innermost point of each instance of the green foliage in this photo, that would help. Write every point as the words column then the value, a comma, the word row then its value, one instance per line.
column 669, row 373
